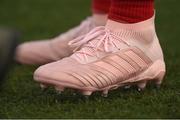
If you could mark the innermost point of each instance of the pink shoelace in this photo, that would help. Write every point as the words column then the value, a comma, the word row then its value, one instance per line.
column 105, row 37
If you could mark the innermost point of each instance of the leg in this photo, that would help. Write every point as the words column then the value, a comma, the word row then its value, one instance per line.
column 131, row 11
column 8, row 42
column 100, row 10
column 101, row 6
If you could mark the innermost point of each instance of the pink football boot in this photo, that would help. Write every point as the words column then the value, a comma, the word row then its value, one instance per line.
column 42, row 52
column 115, row 56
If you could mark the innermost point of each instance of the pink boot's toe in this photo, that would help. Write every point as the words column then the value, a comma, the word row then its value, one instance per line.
column 31, row 53
column 56, row 78
column 57, row 74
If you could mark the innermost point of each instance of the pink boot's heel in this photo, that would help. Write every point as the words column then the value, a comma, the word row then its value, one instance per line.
column 159, row 68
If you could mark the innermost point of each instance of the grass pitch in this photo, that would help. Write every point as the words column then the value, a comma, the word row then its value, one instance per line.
column 21, row 97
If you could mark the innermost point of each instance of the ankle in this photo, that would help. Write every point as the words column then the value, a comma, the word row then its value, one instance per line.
column 100, row 19
column 141, row 35
column 131, row 11
column 123, row 25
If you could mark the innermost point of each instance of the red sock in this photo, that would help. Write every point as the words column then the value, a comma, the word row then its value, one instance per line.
column 131, row 11
column 101, row 6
